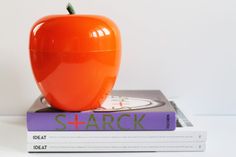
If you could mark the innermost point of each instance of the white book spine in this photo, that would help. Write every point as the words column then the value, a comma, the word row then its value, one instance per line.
column 105, row 147
column 112, row 136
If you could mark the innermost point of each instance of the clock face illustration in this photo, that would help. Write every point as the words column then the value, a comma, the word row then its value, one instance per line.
column 117, row 103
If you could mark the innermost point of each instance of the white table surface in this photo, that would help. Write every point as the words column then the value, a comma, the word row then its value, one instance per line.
column 221, row 139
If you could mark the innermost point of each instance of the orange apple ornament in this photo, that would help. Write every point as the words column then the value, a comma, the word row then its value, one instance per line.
column 75, row 59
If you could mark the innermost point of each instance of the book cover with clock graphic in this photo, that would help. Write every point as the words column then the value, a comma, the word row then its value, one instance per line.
column 123, row 110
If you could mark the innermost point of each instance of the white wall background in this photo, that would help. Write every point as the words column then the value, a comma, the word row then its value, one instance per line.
column 186, row 48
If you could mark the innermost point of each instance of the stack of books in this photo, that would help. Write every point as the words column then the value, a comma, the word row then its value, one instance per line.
column 127, row 121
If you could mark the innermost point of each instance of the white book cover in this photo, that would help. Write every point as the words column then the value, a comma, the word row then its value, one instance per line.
column 180, row 135
column 115, row 146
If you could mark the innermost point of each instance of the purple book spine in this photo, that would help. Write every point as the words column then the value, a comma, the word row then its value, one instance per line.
column 90, row 121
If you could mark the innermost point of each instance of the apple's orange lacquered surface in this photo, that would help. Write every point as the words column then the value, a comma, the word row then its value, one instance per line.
column 75, row 59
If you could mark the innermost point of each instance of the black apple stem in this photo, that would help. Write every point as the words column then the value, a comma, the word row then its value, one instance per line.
column 70, row 9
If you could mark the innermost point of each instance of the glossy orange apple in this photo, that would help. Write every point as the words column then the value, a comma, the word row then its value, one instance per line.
column 75, row 59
